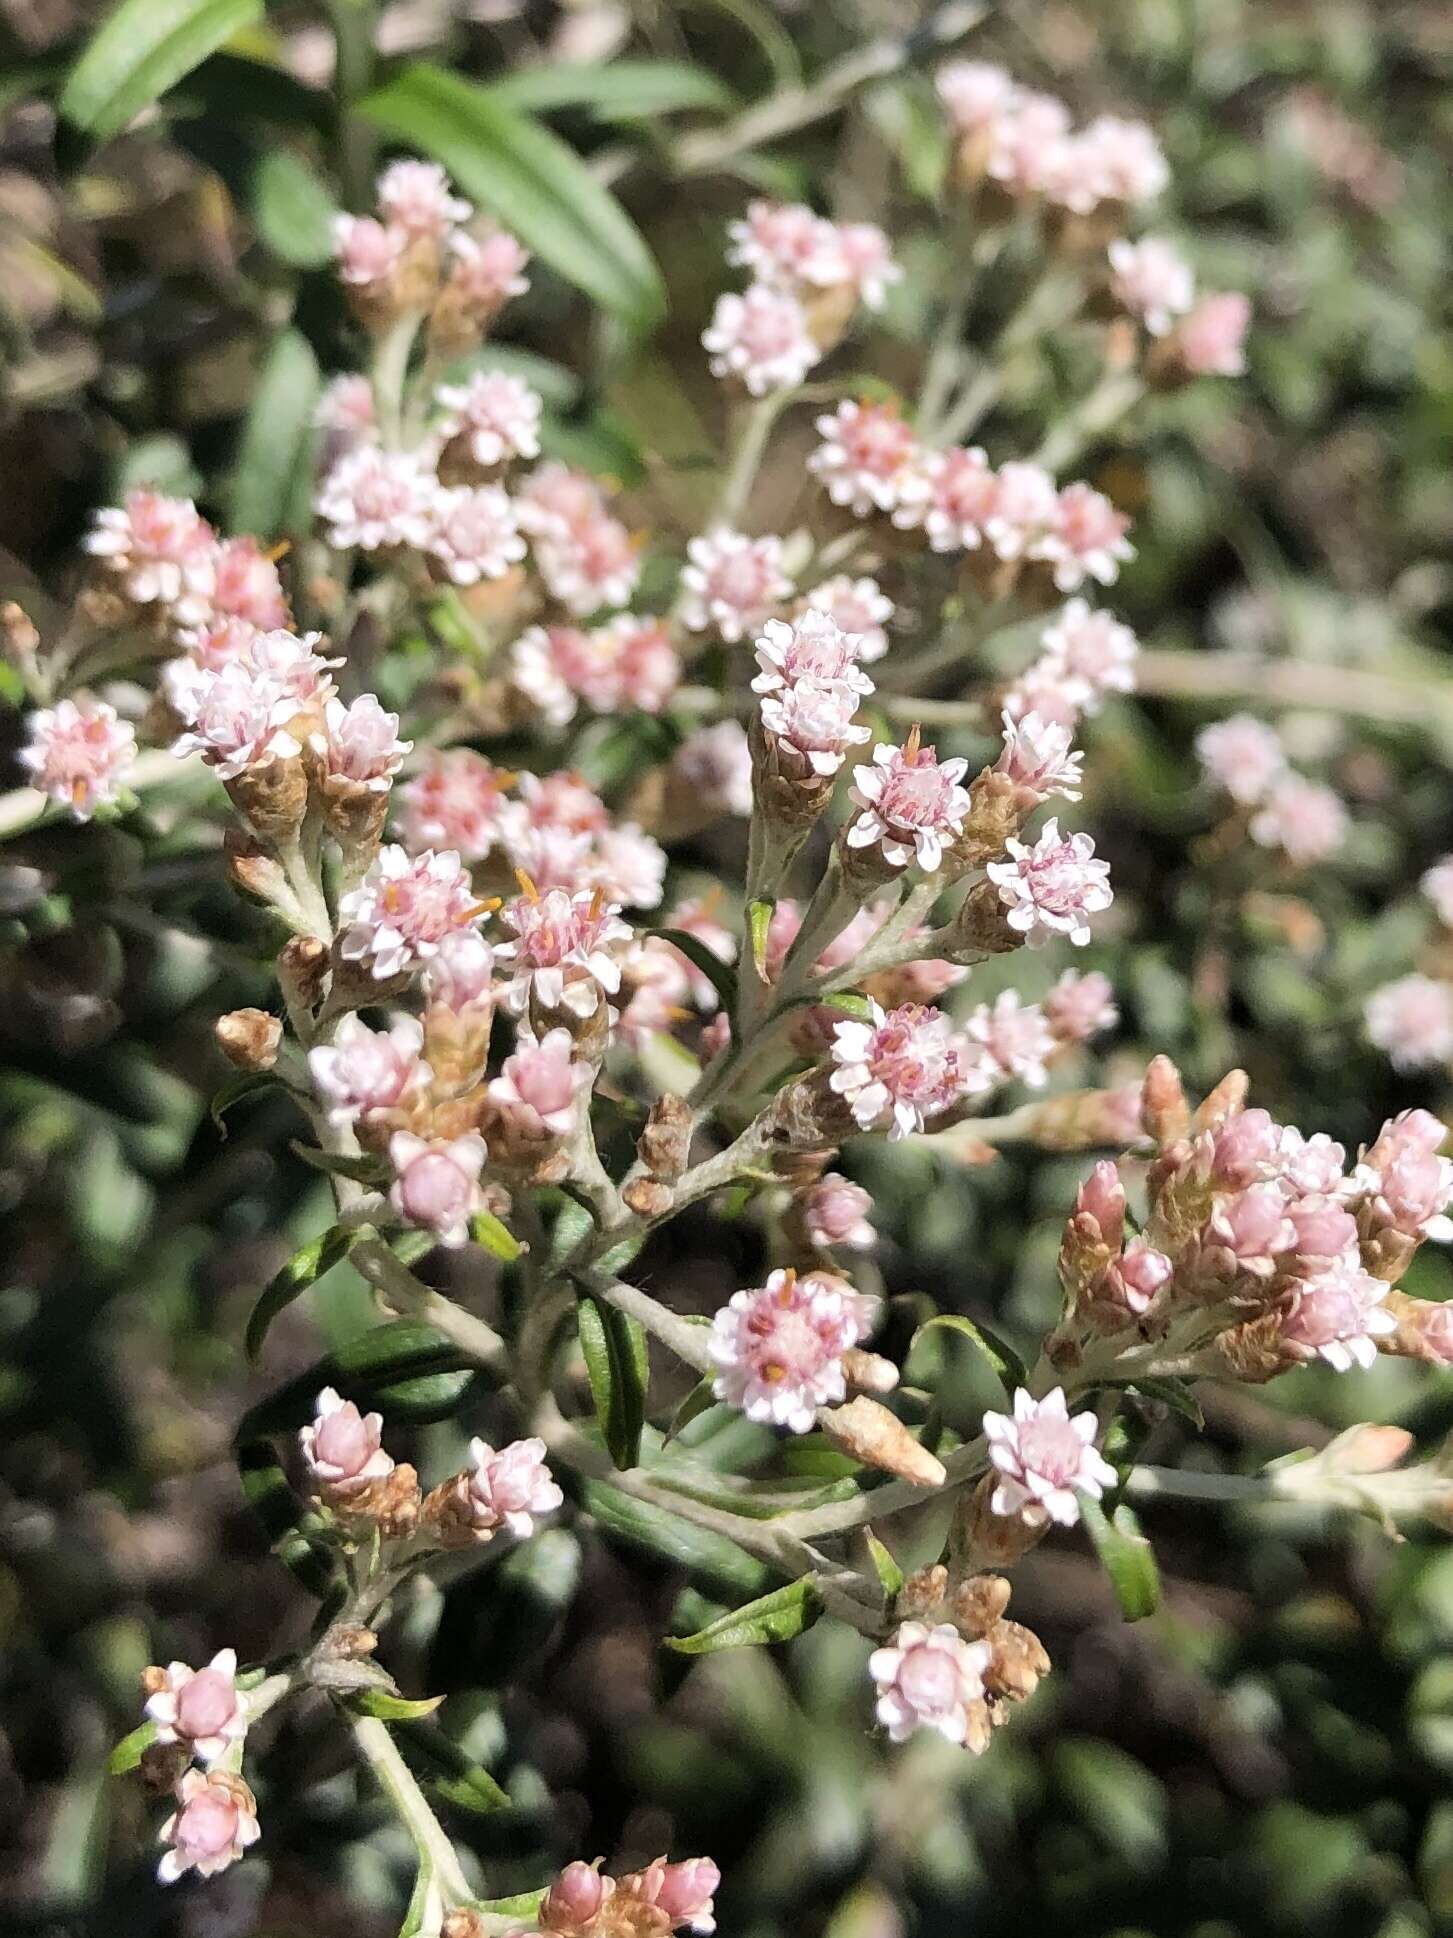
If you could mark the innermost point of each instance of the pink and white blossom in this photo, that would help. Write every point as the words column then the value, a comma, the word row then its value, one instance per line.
column 815, row 719
column 1039, row 759
column 214, row 1823
column 928, row 1678
column 975, row 94
column 961, row 498
column 360, row 743
column 404, row 907
column 1086, row 538
column 1248, row 1233
column 246, row 585
column 79, row 754
column 778, row 1347
column 715, row 763
column 1013, row 1040
column 898, row 1069
column 436, row 1184
column 1137, row 1276
column 1337, row 1316
column 454, row 801
column 626, row 865
column 1412, row 1019
column 761, row 338
column 1052, row 887
column 1242, row 755
column 1308, row 1165
column 538, row 1091
column 367, row 252
column 595, row 563
column 473, row 533
column 813, row 646
column 459, row 976
column 1024, row 513
column 1437, row 885
column 1152, row 280
column 1028, row 147
column 417, row 196
column 1091, row 653
column 1120, row 160
column 566, row 952
column 373, row 499
column 731, row 583
column 237, row 720
column 912, row 804
column 782, row 244
column 486, row 271
column 200, row 1707
column 342, row 1448
column 348, row 409
column 510, row 1488
column 1045, row 1459
column 364, row 1070
column 1211, row 339
column 870, row 460
column 160, row 550
column 1080, row 1005
column 1304, row 819
column 835, row 1212
column 859, row 607
column 495, row 415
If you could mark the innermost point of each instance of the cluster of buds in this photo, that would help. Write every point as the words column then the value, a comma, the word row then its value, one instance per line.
column 200, row 1718
column 954, row 1663
column 583, row 1902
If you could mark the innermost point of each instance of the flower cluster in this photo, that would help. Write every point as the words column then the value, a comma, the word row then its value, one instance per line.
column 1302, row 818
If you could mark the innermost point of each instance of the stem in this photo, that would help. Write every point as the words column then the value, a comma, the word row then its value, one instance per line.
column 751, row 435
column 354, row 26
column 396, row 1779
column 1296, row 683
column 388, row 1274
column 390, row 373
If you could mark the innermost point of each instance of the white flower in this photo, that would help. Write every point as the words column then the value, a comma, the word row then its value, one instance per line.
column 79, row 755
column 926, row 1679
column 1045, row 1459
column 374, row 498
column 1051, row 888
column 497, row 416
column 1152, row 280
column 732, row 583
column 473, row 533
column 404, row 907
column 897, row 1069
column 762, row 338
column 779, row 1346
column 911, row 803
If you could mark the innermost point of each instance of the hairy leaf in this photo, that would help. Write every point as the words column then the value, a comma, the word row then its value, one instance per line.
column 776, row 1617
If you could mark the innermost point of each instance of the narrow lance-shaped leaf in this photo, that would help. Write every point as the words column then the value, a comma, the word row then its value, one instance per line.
column 407, row 1370
column 618, row 1366
column 719, row 974
column 140, row 50
column 274, row 460
column 307, row 1264
column 1127, row 1557
column 1006, row 1363
column 530, row 179
column 771, row 1618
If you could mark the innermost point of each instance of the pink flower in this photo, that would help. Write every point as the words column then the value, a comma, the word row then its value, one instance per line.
column 1122, row 160
column 1246, row 1149
column 364, row 1070
column 1308, row 1165
column 870, row 460
column 1401, row 1187
column 1337, row 1316
column 473, row 534
column 715, row 763
column 536, row 668
column 782, row 244
column 1045, row 1459
column 1090, row 653
column 214, row 1823
column 1086, row 539
column 859, row 607
column 453, row 802
column 627, row 866
column 815, row 719
column 79, row 754
column 486, row 271
column 1045, row 689
column 911, row 802
column 1248, row 1233
column 927, row 1678
column 1152, row 281
column 200, row 1707
column 1101, row 1198
column 1014, row 1040
column 1325, row 1229
column 436, row 1185
column 246, row 586
column 1024, row 513
column 347, row 408
column 496, row 415
column 685, row 1892
column 862, row 257
column 1051, row 888
column 367, row 251
column 627, row 663
column 812, row 647
column 509, row 1488
column 566, row 952
column 975, row 94
column 1412, row 1019
column 760, row 337
column 1301, row 817
column 575, row 1898
column 540, row 1087
column 161, row 550
column 1437, row 884
column 1028, row 150
column 237, row 720
column 373, row 499
column 594, row 564
column 963, row 494
column 1243, row 755
column 342, row 1449
column 835, row 1212
column 1079, row 1006
column 1037, row 758
column 898, row 1069
column 732, row 583
column 1137, row 1275
column 778, row 1347
column 403, row 909
column 361, row 743
column 416, row 196
column 460, row 974
column 1211, row 339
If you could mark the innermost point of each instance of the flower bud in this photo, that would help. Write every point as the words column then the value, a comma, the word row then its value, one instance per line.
column 436, row 1186
column 249, row 1038
column 664, row 1146
column 1163, row 1108
column 1245, row 1149
column 871, row 1433
column 575, row 1899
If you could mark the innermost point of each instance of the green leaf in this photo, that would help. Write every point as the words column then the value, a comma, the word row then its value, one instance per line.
column 618, row 1364
column 407, row 1370
column 524, row 1904
column 721, row 975
column 1127, row 1557
column 308, row 1263
column 701, row 1399
column 614, row 91
column 451, row 1774
column 1008, row 1366
column 266, row 1490
column 1173, row 1393
column 849, row 1002
column 127, row 1753
column 362, row 1170
column 771, row 1618
column 759, row 922
column 485, row 1229
column 242, row 1083
column 293, row 208
column 140, row 50
column 393, row 1709
column 890, row 1575
column 269, row 491
column 709, row 1557
column 530, row 179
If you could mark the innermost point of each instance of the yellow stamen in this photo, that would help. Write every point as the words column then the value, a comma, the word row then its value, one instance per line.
column 527, row 887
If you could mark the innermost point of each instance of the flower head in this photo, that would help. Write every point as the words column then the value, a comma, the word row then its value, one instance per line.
column 813, row 647
column 1242, row 755
column 761, row 338
column 473, row 534
column 495, row 416
column 1038, row 758
column 858, row 607
column 1080, row 1005
column 79, row 754
column 342, row 1448
column 911, row 803
column 485, row 272
column 454, row 801
column 214, row 1822
column 364, row 1070
column 1051, row 888
column 1301, row 817
column 870, row 460
column 814, row 719
column 778, row 1347
column 1014, row 1039
column 928, row 1678
column 715, row 764
column 374, row 498
column 367, row 251
column 436, row 1185
column 200, row 1707
column 1152, row 280
column 835, row 1212
column 1045, row 1459
column 459, row 975
column 962, row 497
column 732, row 583
column 1337, row 1316
column 1412, row 1019
column 160, row 550
column 237, row 720
column 404, row 907
column 1025, row 512
column 1211, row 339
column 1090, row 653
column 508, row 1488
column 566, row 950
column 1086, row 539
column 360, row 743
column 897, row 1069
column 539, row 1089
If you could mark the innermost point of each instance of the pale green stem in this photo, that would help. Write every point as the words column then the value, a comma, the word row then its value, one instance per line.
column 396, row 1780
